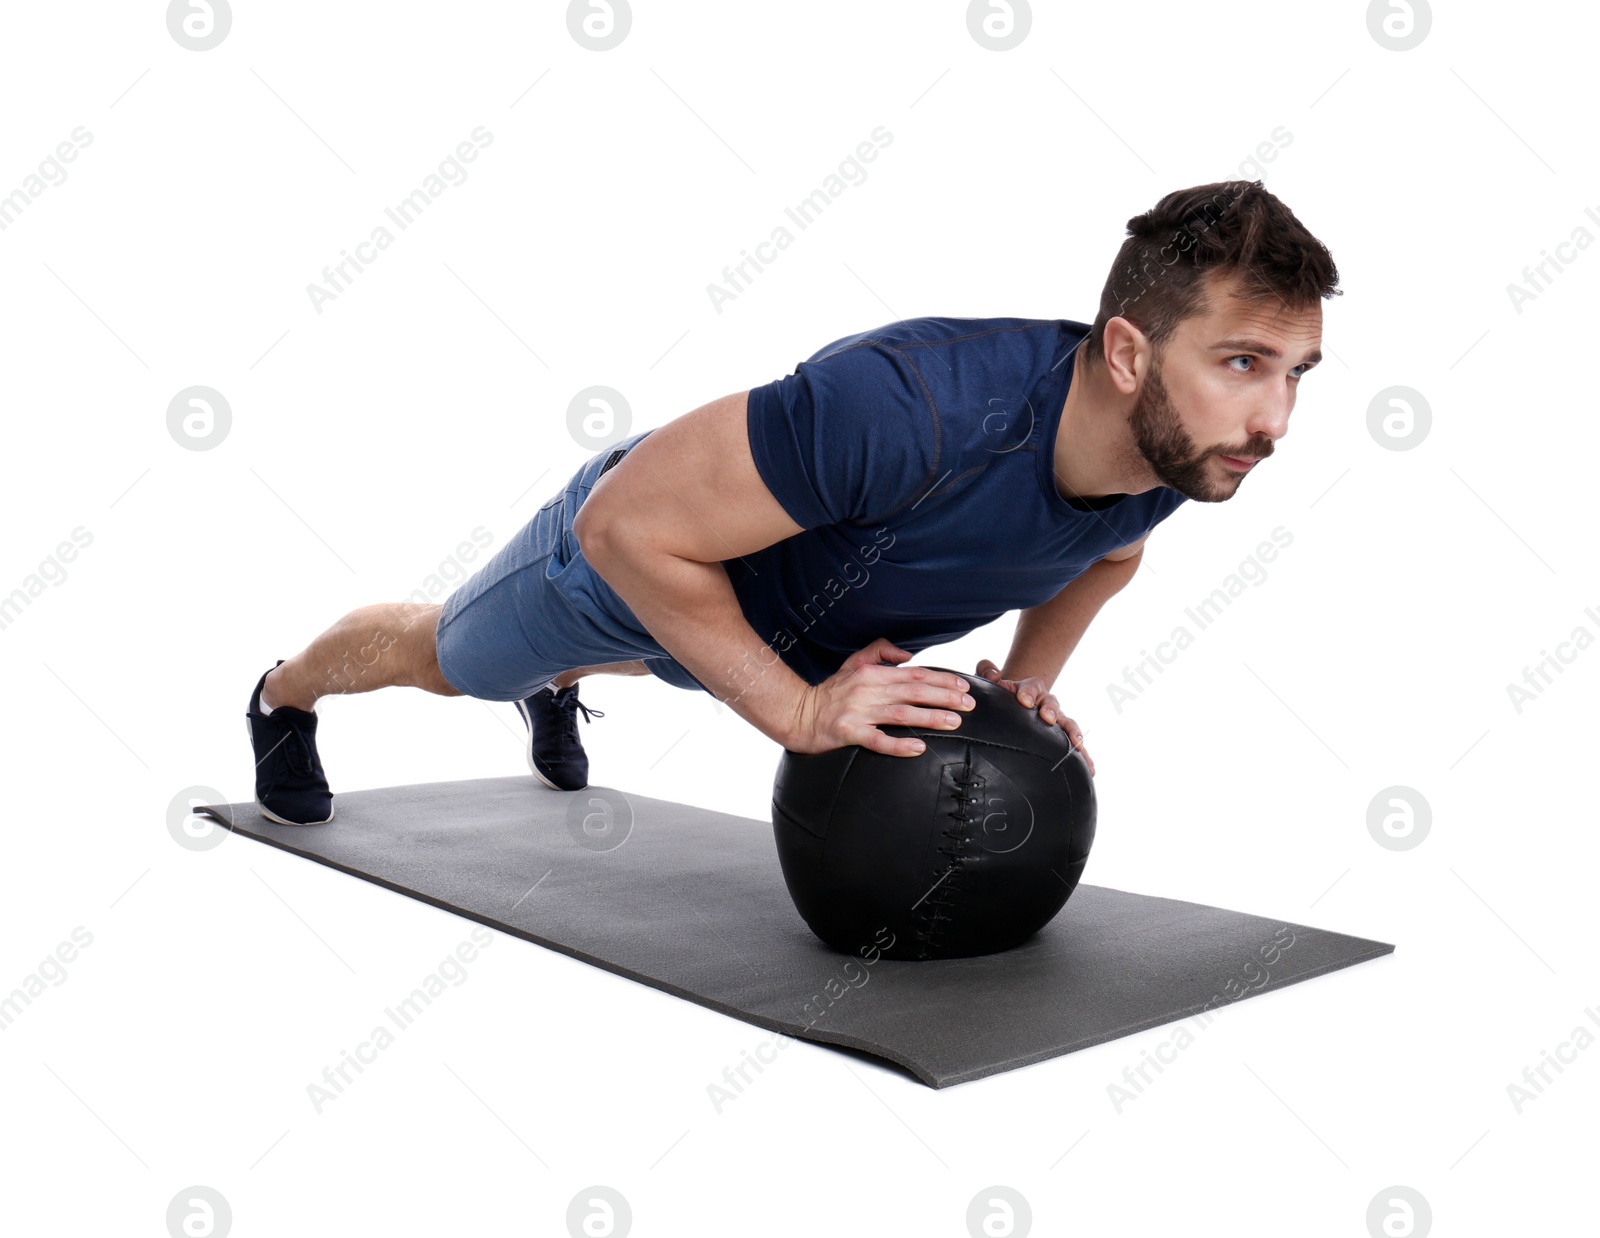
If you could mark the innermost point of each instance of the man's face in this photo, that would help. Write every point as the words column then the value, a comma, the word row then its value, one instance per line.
column 1216, row 397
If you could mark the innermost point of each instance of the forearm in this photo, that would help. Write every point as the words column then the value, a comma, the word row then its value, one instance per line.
column 1048, row 633
column 691, row 610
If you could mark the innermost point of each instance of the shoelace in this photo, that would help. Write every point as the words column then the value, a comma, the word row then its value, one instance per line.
column 297, row 751
column 569, row 718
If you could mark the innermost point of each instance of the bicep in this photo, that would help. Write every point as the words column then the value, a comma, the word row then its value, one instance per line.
column 689, row 489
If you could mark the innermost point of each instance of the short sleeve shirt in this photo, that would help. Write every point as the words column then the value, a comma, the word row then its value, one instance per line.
column 919, row 459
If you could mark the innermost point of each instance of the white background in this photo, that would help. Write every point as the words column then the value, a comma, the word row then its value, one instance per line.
column 429, row 398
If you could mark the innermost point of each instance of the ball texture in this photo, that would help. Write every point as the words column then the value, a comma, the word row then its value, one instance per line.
column 968, row 848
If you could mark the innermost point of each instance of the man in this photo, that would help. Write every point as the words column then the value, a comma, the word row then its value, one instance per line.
column 789, row 548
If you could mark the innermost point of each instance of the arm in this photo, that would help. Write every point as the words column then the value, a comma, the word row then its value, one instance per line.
column 657, row 527
column 1047, row 634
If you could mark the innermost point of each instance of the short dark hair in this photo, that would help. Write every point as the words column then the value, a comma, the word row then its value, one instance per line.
column 1236, row 227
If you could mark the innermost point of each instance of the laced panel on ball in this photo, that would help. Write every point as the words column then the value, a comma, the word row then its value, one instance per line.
column 961, row 787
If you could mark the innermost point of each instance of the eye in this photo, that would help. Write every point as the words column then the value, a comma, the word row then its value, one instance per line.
column 1292, row 374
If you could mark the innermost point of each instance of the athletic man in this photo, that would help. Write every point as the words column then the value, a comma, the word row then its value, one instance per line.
column 789, row 548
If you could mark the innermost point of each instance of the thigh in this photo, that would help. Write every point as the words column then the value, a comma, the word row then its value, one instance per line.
column 530, row 612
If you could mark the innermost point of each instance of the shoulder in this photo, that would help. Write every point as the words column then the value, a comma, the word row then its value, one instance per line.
column 924, row 340
column 939, row 368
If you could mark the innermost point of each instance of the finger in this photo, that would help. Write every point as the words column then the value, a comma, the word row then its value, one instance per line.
column 1050, row 708
column 889, row 745
column 887, row 650
column 922, row 692
column 1029, row 690
column 1075, row 738
column 903, row 676
column 896, row 713
column 862, row 658
column 988, row 669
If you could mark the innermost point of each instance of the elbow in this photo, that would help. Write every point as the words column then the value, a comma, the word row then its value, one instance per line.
column 594, row 531
column 1119, row 572
column 608, row 539
column 1131, row 551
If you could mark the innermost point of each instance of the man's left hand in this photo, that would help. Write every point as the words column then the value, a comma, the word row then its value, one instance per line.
column 1032, row 692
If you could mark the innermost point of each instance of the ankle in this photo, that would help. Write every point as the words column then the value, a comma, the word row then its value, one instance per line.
column 275, row 693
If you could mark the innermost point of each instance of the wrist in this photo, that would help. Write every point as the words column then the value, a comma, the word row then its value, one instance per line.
column 783, row 714
column 798, row 717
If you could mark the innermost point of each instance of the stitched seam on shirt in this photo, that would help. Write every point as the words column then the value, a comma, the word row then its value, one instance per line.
column 946, row 489
column 927, row 400
column 927, row 395
column 938, row 432
column 958, row 339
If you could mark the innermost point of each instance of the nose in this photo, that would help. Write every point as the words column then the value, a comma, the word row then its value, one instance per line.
column 1271, row 416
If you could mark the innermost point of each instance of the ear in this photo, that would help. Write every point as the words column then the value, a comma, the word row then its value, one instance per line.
column 1124, row 344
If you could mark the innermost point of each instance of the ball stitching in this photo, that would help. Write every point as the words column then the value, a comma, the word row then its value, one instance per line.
column 935, row 913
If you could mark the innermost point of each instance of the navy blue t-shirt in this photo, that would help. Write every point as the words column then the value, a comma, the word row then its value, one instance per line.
column 918, row 457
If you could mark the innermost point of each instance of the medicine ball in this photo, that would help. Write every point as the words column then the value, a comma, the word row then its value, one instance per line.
column 970, row 847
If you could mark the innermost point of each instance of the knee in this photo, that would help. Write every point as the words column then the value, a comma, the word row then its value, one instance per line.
column 432, row 680
column 422, row 619
column 409, row 632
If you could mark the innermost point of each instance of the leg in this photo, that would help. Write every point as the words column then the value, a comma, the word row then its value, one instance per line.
column 567, row 678
column 555, row 751
column 392, row 644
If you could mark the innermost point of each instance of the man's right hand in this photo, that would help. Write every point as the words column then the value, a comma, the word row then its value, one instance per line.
column 871, row 689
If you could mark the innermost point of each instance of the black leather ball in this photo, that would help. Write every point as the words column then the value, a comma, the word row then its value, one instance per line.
column 968, row 848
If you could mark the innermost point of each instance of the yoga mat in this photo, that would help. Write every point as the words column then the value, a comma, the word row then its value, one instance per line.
column 693, row 903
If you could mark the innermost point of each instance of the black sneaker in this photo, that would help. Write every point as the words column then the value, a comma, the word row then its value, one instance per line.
column 555, row 753
column 291, row 788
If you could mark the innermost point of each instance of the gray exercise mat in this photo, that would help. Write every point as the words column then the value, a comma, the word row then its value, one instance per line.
column 693, row 903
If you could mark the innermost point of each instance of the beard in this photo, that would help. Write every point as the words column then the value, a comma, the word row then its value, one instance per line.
column 1170, row 453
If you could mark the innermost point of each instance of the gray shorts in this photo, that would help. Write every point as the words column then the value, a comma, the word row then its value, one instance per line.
column 537, row 608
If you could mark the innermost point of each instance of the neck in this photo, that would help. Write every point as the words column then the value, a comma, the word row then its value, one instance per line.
column 1095, row 451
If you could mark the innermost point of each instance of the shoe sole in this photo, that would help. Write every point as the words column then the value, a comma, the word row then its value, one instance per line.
column 267, row 813
column 527, row 751
column 272, row 816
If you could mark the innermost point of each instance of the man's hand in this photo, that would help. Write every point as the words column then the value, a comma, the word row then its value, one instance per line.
column 867, row 690
column 1031, row 692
